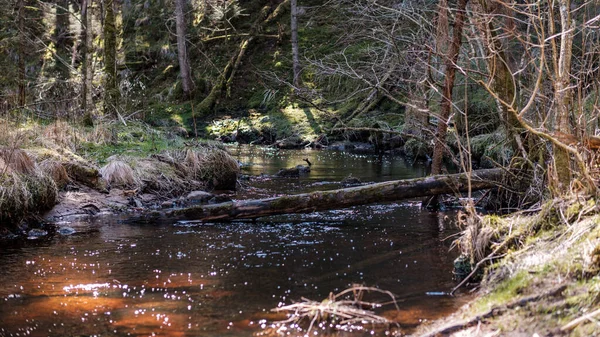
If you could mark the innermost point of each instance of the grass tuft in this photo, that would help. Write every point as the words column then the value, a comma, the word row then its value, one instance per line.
column 18, row 160
column 56, row 171
column 118, row 173
column 24, row 194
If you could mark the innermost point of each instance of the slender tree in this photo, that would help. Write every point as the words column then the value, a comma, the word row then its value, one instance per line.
column 62, row 39
column 295, row 52
column 86, row 65
column 21, row 65
column 184, row 63
column 562, row 90
column 449, row 76
column 111, row 89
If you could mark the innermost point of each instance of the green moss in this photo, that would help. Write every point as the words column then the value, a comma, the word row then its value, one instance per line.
column 135, row 139
column 505, row 292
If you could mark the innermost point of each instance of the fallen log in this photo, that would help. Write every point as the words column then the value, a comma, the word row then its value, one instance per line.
column 342, row 198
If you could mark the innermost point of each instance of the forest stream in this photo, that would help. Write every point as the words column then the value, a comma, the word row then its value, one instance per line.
column 119, row 277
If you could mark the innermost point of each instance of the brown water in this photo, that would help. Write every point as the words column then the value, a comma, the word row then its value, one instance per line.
column 120, row 278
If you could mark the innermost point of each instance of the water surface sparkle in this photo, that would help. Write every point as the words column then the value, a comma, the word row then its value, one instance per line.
column 188, row 278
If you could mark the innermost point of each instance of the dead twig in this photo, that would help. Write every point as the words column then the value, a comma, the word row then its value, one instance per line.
column 574, row 323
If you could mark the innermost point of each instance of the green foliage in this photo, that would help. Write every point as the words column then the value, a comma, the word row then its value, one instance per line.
column 136, row 139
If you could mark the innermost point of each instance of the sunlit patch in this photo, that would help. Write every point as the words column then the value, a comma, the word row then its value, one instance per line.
column 93, row 287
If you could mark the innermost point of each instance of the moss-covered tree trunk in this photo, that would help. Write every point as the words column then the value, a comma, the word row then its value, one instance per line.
column 111, row 88
column 184, row 63
column 449, row 76
column 226, row 78
column 503, row 83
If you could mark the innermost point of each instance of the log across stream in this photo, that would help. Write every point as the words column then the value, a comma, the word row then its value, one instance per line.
column 342, row 198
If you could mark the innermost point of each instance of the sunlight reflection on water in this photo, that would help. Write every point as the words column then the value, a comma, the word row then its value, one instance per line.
column 187, row 278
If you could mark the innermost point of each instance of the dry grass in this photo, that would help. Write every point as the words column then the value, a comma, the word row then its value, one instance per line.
column 6, row 134
column 101, row 134
column 118, row 173
column 56, row 171
column 22, row 195
column 18, row 160
column 476, row 236
column 162, row 178
column 4, row 168
column 62, row 134
column 210, row 164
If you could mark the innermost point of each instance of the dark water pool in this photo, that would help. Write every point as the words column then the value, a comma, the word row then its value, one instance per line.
column 118, row 278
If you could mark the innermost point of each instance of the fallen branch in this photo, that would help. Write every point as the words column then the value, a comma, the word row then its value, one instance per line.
column 344, row 314
column 574, row 323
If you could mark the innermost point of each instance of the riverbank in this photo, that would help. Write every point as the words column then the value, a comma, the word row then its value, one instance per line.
column 52, row 172
column 540, row 267
column 539, row 275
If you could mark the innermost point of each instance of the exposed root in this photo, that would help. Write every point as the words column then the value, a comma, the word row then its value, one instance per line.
column 449, row 329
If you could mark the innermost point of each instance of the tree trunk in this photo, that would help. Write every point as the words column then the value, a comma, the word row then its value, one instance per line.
column 21, row 65
column 446, row 104
column 295, row 52
column 342, row 198
column 111, row 89
column 184, row 64
column 86, row 64
column 62, row 39
column 225, row 80
column 562, row 95
column 503, row 81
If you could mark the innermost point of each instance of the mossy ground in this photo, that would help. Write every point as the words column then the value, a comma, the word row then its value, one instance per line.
column 550, row 253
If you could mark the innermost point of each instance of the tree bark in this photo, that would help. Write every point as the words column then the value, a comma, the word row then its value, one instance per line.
column 446, row 104
column 111, row 89
column 503, row 80
column 562, row 94
column 86, row 65
column 62, row 39
column 295, row 52
column 342, row 198
column 21, row 65
column 184, row 64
